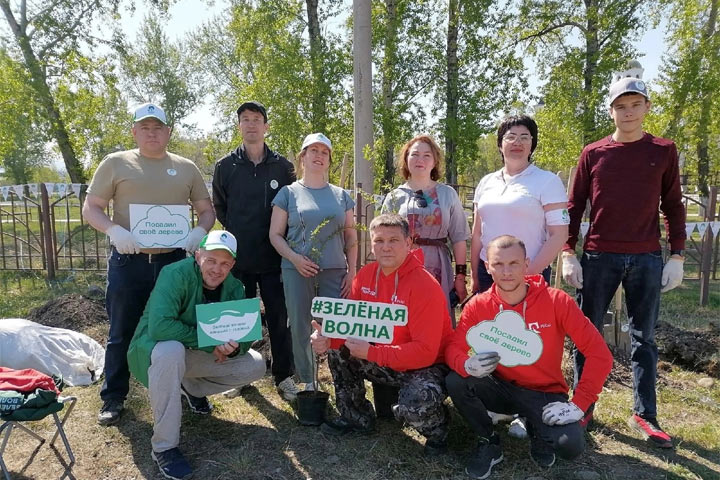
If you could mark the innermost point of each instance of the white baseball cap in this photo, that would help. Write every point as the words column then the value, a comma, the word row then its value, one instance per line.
column 149, row 110
column 627, row 85
column 316, row 138
column 219, row 240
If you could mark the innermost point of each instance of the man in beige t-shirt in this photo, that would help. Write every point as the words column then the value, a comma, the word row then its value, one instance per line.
column 148, row 175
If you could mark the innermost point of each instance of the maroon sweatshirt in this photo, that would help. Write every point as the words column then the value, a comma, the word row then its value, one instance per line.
column 626, row 183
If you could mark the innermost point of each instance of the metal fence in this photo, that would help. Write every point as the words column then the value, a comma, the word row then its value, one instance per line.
column 45, row 231
column 42, row 229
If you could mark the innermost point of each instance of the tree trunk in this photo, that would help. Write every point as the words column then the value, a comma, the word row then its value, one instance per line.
column 388, row 119
column 710, row 65
column 320, row 92
column 451, row 99
column 591, row 59
column 39, row 83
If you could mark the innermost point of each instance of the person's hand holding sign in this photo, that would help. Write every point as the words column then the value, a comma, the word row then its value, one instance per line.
column 194, row 238
column 222, row 352
column 358, row 348
column 561, row 413
column 482, row 364
column 320, row 344
column 122, row 239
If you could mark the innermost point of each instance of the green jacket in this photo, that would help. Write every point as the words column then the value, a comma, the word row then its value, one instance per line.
column 170, row 313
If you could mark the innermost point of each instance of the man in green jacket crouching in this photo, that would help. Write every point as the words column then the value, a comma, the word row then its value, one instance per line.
column 164, row 354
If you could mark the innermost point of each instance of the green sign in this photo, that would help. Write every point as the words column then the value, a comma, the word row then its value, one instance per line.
column 237, row 320
column 508, row 335
column 371, row 321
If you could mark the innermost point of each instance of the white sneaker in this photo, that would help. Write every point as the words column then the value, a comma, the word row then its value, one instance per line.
column 287, row 389
column 309, row 387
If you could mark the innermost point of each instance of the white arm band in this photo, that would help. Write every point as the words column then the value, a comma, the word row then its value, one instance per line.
column 559, row 216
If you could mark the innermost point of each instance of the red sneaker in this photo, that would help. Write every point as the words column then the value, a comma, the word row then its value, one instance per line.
column 651, row 431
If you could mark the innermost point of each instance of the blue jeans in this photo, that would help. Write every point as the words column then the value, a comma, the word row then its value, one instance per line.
column 131, row 278
column 640, row 276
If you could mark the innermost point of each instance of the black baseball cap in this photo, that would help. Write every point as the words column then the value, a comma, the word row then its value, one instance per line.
column 253, row 106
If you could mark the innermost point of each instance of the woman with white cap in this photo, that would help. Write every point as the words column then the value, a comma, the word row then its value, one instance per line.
column 313, row 228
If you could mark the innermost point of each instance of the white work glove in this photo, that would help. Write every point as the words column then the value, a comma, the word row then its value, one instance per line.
column 561, row 413
column 672, row 274
column 122, row 239
column 571, row 270
column 194, row 238
column 482, row 364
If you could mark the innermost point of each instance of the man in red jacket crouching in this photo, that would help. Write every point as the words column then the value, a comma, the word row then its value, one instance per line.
column 413, row 362
column 514, row 363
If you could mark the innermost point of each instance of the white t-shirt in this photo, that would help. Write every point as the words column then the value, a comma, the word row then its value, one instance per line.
column 513, row 205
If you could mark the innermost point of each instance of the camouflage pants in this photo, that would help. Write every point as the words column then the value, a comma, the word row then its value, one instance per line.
column 420, row 400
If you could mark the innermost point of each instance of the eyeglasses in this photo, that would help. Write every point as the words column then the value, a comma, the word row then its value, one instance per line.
column 514, row 137
column 419, row 197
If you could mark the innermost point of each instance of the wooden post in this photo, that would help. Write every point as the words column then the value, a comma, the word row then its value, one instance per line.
column 47, row 232
column 707, row 244
column 343, row 171
column 358, row 222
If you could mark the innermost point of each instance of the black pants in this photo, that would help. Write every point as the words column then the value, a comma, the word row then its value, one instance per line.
column 473, row 397
column 276, row 319
column 131, row 278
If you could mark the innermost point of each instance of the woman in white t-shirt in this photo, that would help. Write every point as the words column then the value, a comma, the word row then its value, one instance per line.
column 521, row 200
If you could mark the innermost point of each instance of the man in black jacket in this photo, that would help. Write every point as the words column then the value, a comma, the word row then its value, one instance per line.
column 244, row 185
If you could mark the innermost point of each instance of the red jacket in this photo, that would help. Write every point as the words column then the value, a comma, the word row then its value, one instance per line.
column 422, row 341
column 553, row 314
column 25, row 381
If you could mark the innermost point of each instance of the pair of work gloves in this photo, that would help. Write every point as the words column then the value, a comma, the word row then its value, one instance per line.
column 554, row 413
column 672, row 274
column 125, row 242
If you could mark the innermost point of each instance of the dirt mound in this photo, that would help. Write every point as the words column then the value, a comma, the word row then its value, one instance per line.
column 74, row 312
column 697, row 350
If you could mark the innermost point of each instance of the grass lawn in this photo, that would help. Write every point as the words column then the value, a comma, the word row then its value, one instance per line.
column 256, row 436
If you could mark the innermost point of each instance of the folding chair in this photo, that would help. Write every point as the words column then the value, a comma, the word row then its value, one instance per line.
column 8, row 426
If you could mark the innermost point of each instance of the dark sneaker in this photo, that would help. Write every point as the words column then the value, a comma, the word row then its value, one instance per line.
column 651, row 431
column 487, row 455
column 435, row 448
column 110, row 412
column 198, row 405
column 340, row 426
column 172, row 464
column 541, row 453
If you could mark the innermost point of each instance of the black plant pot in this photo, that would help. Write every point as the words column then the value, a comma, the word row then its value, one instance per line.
column 311, row 407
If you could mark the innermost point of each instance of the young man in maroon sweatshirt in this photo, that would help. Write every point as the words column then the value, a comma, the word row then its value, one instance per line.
column 536, row 391
column 626, row 177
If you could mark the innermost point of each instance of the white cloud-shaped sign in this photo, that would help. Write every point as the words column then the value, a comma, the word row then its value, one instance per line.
column 507, row 335
column 159, row 225
column 231, row 325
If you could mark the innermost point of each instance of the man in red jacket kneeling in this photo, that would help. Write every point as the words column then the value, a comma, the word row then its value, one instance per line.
column 514, row 363
column 413, row 362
